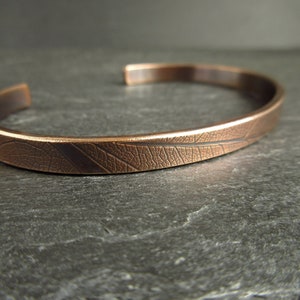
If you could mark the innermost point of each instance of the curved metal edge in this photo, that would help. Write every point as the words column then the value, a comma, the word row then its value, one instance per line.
column 78, row 155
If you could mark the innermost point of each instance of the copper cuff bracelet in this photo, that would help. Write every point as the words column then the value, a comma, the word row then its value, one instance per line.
column 136, row 153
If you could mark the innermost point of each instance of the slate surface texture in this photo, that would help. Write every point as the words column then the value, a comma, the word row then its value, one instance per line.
column 227, row 228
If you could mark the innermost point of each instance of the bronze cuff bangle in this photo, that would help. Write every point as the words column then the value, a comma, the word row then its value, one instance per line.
column 143, row 152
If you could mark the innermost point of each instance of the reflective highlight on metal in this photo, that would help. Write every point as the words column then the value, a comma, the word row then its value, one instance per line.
column 136, row 153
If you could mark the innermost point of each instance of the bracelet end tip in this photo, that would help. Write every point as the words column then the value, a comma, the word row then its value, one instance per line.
column 126, row 75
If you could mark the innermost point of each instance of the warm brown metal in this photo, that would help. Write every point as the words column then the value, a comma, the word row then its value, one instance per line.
column 136, row 153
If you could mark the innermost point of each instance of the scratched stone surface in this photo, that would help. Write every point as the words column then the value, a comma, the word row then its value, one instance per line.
column 228, row 228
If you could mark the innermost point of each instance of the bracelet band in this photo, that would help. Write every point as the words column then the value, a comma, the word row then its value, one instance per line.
column 136, row 153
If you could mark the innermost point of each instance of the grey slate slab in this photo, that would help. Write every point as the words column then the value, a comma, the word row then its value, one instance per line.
column 227, row 228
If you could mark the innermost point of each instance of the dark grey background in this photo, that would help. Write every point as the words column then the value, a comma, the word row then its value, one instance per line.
column 140, row 23
column 225, row 229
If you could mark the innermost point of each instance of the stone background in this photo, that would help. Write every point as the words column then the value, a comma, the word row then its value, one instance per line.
column 227, row 228
column 223, row 229
column 132, row 24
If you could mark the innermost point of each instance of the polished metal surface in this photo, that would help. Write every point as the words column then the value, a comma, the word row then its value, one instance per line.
column 136, row 153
